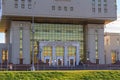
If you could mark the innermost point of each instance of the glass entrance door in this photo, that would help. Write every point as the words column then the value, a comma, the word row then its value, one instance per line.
column 59, row 62
column 71, row 62
column 47, row 61
column 4, row 56
column 114, row 57
column 72, row 55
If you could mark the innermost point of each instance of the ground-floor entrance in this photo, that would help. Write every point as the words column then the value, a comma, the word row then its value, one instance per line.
column 59, row 53
column 4, row 54
column 57, row 44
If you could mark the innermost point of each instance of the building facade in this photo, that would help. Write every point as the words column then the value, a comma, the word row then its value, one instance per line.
column 112, row 45
column 58, row 32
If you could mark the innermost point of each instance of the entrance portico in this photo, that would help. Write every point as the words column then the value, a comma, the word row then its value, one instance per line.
column 64, row 58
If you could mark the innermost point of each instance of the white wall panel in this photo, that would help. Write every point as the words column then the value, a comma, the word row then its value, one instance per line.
column 43, row 8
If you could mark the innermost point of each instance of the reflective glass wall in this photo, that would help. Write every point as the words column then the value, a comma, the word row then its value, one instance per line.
column 57, row 32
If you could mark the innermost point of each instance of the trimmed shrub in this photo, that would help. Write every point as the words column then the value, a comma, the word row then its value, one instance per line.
column 60, row 75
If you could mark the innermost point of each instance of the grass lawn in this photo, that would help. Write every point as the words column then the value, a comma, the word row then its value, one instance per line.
column 61, row 75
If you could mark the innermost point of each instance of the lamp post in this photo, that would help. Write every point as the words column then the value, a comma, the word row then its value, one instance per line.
column 33, row 31
column 88, row 53
column 55, row 62
column 61, row 61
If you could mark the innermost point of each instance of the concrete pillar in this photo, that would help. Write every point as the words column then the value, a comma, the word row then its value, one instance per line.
column 53, row 56
column 9, row 52
column 26, row 43
column 65, row 56
column 91, row 50
column 101, row 54
column 77, row 55
column 15, row 43
column 7, row 36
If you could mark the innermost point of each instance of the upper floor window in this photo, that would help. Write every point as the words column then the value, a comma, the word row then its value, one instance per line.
column 59, row 8
column 29, row 4
column 99, row 1
column 105, row 1
column 65, row 8
column 105, row 10
column 22, row 3
column 93, row 10
column 99, row 10
column 93, row 0
column 29, row 0
column 16, row 3
column 118, row 41
column 100, row 6
column 105, row 6
column 93, row 6
column 107, row 42
column 0, row 4
column 71, row 8
column 53, row 7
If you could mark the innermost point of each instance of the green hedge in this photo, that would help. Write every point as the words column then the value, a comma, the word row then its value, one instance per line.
column 60, row 75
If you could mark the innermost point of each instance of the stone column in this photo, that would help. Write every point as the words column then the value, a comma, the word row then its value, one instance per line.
column 15, row 43
column 65, row 56
column 26, row 43
column 91, row 50
column 101, row 54
column 9, row 52
column 7, row 36
column 77, row 54
column 53, row 56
